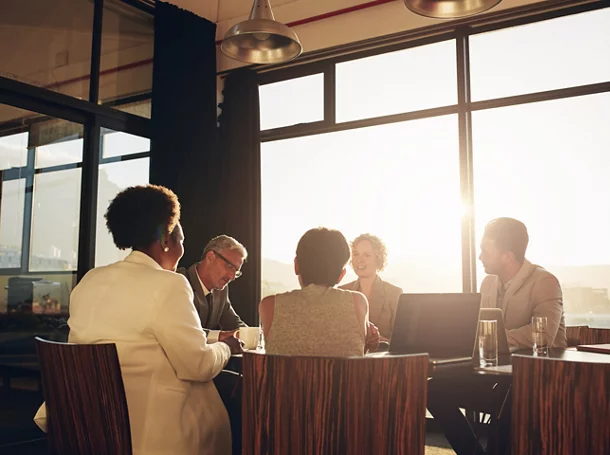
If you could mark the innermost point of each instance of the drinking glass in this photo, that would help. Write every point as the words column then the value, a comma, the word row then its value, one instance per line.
column 488, row 343
column 261, row 339
column 539, row 334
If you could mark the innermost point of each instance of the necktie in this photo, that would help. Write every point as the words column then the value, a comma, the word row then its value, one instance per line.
column 209, row 298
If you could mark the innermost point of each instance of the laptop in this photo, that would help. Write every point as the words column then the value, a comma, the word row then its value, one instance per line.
column 443, row 325
column 494, row 314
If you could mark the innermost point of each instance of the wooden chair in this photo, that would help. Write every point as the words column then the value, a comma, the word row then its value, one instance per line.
column 573, row 334
column 560, row 407
column 85, row 399
column 334, row 406
column 590, row 335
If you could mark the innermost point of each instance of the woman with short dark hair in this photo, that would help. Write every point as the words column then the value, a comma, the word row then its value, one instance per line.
column 146, row 309
column 318, row 319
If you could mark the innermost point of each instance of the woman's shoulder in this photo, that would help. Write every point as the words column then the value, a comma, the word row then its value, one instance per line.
column 356, row 299
column 123, row 272
column 359, row 299
column 391, row 288
column 267, row 302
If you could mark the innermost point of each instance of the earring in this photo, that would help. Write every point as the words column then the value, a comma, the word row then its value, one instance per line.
column 166, row 249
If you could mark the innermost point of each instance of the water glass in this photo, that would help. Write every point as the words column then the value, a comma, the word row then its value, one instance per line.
column 488, row 343
column 539, row 334
column 261, row 339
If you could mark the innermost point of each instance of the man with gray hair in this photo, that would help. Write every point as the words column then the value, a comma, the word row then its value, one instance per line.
column 220, row 264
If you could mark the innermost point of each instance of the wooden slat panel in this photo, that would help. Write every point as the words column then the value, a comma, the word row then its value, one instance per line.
column 560, row 407
column 594, row 336
column 328, row 406
column 85, row 399
column 573, row 334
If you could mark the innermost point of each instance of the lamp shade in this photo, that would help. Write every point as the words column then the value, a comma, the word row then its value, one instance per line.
column 449, row 9
column 261, row 39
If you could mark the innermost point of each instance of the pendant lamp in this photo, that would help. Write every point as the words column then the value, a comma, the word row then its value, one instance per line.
column 261, row 39
column 449, row 9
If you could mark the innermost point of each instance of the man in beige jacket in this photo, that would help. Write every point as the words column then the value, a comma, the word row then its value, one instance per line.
column 521, row 289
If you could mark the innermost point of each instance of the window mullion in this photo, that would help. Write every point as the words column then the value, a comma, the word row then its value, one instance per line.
column 469, row 279
column 28, row 211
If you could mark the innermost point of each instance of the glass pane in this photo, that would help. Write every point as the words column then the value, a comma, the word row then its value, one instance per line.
column 127, row 52
column 408, row 80
column 115, row 177
column 407, row 193
column 39, row 294
column 553, row 54
column 547, row 164
column 55, row 221
column 64, row 152
column 291, row 102
column 11, row 223
column 118, row 144
column 13, row 151
column 14, row 139
column 43, row 45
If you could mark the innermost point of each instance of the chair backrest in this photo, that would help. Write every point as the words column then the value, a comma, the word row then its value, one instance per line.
column 573, row 334
column 590, row 335
column 85, row 399
column 334, row 406
column 560, row 407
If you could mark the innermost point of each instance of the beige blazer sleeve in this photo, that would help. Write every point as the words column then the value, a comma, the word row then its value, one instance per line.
column 178, row 329
column 546, row 300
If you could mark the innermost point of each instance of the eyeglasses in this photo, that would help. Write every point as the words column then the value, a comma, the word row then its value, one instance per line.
column 229, row 263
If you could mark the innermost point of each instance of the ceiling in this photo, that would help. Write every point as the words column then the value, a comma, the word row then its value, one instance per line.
column 224, row 10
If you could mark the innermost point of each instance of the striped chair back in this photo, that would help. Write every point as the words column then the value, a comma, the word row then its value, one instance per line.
column 334, row 406
column 591, row 335
column 573, row 334
column 85, row 399
column 560, row 407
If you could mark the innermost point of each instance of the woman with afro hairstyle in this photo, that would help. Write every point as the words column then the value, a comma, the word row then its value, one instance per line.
column 146, row 309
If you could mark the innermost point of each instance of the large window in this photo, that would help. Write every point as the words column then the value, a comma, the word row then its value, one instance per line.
column 39, row 214
column 397, row 155
column 408, row 80
column 552, row 175
column 399, row 181
column 553, row 54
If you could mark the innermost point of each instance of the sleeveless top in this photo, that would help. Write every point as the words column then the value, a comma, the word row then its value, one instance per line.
column 315, row 321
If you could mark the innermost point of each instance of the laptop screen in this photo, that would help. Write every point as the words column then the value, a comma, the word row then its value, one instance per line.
column 443, row 325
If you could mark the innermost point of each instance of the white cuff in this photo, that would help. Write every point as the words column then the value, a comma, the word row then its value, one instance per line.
column 213, row 336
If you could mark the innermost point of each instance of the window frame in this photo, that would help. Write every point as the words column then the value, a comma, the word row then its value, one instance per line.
column 94, row 118
column 460, row 31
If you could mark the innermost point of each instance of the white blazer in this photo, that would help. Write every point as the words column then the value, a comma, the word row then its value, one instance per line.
column 166, row 363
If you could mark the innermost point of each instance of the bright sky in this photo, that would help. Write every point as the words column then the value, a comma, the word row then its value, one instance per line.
column 367, row 180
